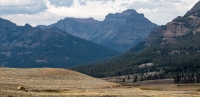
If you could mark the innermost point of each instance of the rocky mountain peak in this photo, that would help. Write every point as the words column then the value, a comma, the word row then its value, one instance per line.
column 129, row 11
column 110, row 15
column 82, row 20
column 27, row 27
column 118, row 31
column 123, row 14
column 123, row 30
column 87, row 20
column 195, row 8
column 6, row 23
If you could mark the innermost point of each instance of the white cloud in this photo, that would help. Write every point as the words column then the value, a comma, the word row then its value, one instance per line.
column 42, row 18
column 96, row 8
column 49, row 11
column 8, row 3
column 158, row 11
column 58, row 3
column 21, row 6
column 163, row 11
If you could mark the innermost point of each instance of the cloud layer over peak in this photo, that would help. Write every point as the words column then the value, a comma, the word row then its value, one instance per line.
column 46, row 12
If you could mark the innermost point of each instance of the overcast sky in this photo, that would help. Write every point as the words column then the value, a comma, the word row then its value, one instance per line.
column 45, row 12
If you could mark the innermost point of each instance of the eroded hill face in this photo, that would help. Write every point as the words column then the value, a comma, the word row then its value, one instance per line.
column 180, row 26
column 48, row 79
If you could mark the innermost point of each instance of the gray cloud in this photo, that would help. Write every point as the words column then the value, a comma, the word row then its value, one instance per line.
column 22, row 7
column 158, row 1
column 49, row 11
column 58, row 3
column 82, row 2
column 154, row 4
column 98, row 0
column 161, row 11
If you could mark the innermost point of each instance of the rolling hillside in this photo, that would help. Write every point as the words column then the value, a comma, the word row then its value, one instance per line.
column 26, row 46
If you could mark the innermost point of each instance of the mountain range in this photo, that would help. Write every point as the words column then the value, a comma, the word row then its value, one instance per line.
column 172, row 49
column 119, row 31
column 27, row 46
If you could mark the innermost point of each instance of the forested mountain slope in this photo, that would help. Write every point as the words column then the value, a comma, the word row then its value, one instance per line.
column 171, row 49
column 26, row 46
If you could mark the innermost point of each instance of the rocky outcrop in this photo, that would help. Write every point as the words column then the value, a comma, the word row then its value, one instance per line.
column 175, row 29
column 180, row 26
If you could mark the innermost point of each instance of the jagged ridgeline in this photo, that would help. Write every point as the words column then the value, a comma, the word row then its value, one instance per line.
column 170, row 49
column 26, row 46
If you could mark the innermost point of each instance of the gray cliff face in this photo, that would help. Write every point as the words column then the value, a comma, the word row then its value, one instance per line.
column 108, row 33
column 83, row 28
column 119, row 31
column 136, row 28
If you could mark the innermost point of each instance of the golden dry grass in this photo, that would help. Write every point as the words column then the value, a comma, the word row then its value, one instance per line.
column 48, row 82
column 48, row 79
